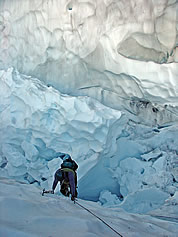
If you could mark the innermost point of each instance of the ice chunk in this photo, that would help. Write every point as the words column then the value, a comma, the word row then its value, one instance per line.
column 34, row 173
column 47, row 153
column 172, row 200
column 1, row 159
column 38, row 142
column 37, row 164
column 108, row 199
column 13, row 155
column 16, row 171
column 152, row 155
column 144, row 201
column 175, row 173
column 54, row 164
column 31, row 153
column 130, row 174
column 160, row 163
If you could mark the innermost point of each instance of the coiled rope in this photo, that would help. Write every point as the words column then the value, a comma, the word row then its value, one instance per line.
column 98, row 218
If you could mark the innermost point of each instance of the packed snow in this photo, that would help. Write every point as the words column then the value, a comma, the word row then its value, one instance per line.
column 26, row 213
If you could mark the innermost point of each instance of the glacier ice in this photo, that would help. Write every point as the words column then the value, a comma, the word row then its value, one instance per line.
column 38, row 123
column 106, row 198
column 114, row 65
column 116, row 155
column 144, row 201
column 109, row 50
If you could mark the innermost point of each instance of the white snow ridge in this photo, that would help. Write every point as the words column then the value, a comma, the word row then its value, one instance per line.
column 96, row 79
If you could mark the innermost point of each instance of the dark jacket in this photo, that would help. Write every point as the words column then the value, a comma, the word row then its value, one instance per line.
column 70, row 164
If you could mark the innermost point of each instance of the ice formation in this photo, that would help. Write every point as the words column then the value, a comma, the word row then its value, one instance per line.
column 117, row 157
column 101, row 85
column 38, row 124
column 110, row 50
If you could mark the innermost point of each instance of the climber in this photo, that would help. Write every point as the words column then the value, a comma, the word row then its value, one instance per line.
column 67, row 176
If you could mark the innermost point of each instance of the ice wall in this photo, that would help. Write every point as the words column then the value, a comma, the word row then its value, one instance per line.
column 121, row 162
column 114, row 51
column 38, row 124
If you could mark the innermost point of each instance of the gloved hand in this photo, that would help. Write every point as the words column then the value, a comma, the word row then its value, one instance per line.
column 52, row 191
column 73, row 198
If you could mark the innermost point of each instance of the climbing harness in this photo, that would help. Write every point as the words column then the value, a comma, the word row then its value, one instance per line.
column 76, row 202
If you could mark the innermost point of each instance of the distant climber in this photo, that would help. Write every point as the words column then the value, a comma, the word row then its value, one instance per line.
column 67, row 176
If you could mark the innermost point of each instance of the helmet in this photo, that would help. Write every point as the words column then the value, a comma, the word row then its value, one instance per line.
column 65, row 157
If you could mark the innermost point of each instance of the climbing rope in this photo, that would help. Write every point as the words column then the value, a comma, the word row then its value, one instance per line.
column 98, row 218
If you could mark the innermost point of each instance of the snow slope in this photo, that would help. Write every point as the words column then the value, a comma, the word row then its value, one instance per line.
column 25, row 213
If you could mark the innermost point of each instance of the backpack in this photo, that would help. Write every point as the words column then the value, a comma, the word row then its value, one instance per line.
column 70, row 164
column 59, row 174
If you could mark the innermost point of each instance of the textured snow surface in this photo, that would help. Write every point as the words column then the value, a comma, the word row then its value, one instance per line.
column 110, row 50
column 25, row 213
